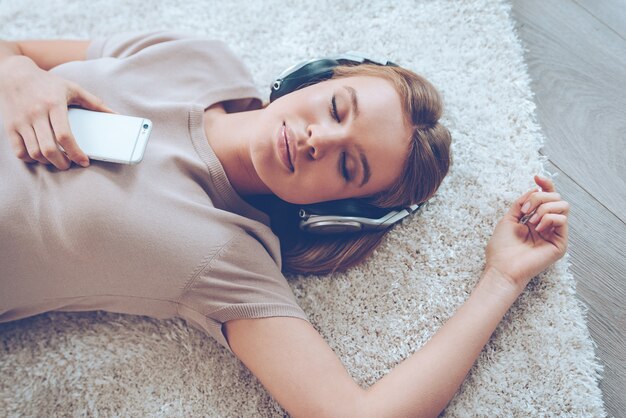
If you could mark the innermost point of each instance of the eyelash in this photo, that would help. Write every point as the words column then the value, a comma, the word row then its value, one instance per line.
column 333, row 110
column 346, row 175
column 335, row 115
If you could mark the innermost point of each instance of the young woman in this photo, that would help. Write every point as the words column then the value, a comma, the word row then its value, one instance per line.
column 181, row 233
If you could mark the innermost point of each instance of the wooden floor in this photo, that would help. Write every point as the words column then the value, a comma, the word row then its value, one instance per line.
column 576, row 56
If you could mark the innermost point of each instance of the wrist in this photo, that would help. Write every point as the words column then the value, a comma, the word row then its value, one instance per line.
column 499, row 284
column 7, row 58
column 14, row 65
column 9, row 49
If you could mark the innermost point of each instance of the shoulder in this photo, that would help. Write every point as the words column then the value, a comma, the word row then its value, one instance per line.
column 237, row 280
column 187, row 67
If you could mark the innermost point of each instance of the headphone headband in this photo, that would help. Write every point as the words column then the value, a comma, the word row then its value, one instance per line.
column 315, row 70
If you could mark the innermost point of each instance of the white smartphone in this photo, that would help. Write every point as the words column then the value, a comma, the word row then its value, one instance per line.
column 108, row 136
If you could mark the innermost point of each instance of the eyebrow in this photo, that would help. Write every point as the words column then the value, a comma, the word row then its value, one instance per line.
column 366, row 166
column 354, row 100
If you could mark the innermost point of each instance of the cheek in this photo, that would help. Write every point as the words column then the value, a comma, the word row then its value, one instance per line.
column 306, row 188
column 266, row 166
column 317, row 185
column 262, row 160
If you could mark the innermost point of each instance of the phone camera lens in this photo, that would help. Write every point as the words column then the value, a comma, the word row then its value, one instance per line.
column 145, row 126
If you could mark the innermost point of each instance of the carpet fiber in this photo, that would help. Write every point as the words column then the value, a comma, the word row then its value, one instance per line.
column 540, row 360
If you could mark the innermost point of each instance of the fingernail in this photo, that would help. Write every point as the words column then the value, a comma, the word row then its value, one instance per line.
column 533, row 219
column 525, row 207
column 84, row 163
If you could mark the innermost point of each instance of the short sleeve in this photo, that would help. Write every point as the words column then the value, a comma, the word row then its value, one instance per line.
column 241, row 281
column 126, row 44
column 172, row 66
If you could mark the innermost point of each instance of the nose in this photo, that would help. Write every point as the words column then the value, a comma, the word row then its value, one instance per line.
column 323, row 140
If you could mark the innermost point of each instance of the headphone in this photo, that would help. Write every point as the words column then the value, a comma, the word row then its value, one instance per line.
column 338, row 216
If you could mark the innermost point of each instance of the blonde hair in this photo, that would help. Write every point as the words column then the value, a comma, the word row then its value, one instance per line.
column 427, row 163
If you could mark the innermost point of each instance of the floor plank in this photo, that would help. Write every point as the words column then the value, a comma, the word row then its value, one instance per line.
column 598, row 256
column 576, row 57
column 610, row 12
column 577, row 65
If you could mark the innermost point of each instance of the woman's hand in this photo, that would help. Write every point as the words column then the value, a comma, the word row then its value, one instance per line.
column 33, row 105
column 521, row 251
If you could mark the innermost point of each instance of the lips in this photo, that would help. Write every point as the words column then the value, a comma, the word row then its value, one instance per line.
column 284, row 152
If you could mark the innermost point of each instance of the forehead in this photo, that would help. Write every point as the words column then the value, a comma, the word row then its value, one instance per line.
column 380, row 128
column 378, row 102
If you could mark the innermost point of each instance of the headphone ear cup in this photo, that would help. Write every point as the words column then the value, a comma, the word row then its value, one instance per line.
column 310, row 73
column 327, row 227
column 350, row 216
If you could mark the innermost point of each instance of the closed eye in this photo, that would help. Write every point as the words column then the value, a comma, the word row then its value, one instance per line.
column 344, row 170
column 333, row 109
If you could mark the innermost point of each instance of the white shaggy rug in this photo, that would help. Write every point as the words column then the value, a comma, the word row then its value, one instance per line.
column 539, row 362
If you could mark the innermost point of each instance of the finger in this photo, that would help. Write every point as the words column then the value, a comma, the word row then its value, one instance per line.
column 32, row 146
column 48, row 144
column 553, row 220
column 537, row 199
column 64, row 136
column 81, row 97
column 545, row 183
column 561, row 207
column 19, row 148
column 516, row 208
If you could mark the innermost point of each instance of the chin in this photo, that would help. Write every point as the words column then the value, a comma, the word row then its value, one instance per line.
column 295, row 200
column 291, row 199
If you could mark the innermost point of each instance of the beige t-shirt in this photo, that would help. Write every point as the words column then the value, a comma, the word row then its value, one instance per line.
column 168, row 237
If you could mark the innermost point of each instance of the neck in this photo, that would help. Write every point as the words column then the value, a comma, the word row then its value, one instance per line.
column 229, row 135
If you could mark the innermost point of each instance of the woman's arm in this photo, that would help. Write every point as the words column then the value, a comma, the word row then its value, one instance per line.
column 46, row 53
column 424, row 383
column 300, row 370
column 305, row 376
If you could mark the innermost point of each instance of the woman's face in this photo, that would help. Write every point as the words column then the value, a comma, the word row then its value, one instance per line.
column 333, row 140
